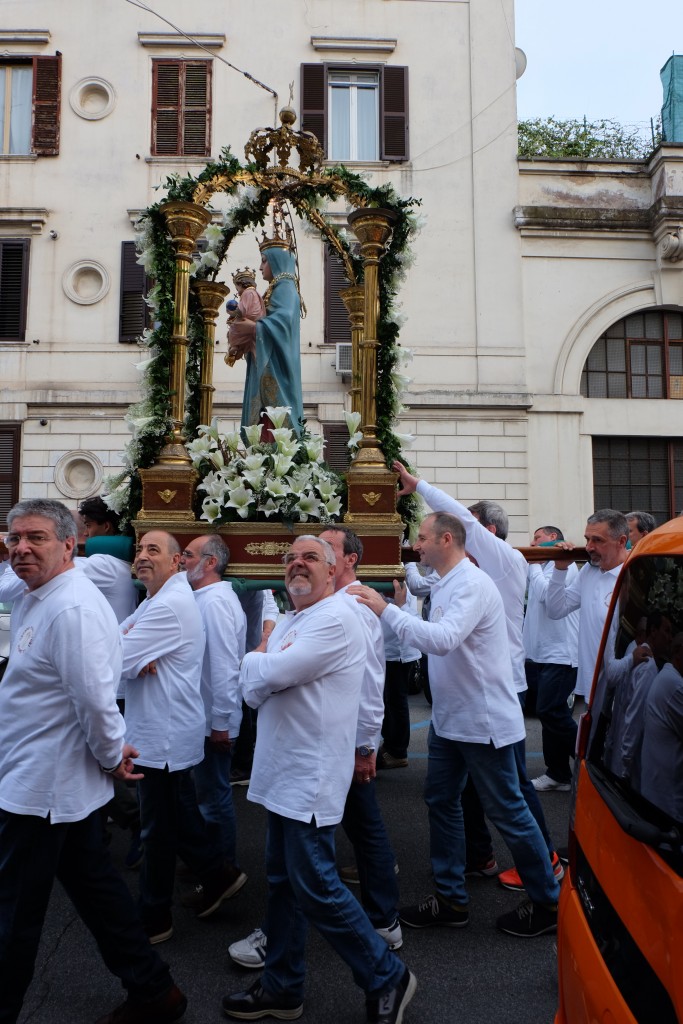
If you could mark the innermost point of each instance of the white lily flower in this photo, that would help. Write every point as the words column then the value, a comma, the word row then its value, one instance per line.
column 268, row 508
column 209, row 429
column 277, row 414
column 254, row 461
column 282, row 435
column 210, row 510
column 352, row 421
column 355, row 440
column 281, row 464
column 146, row 260
column 213, row 233
column 333, row 506
column 278, row 488
column 326, row 489
column 232, row 440
column 241, row 499
column 314, row 446
column 289, row 448
column 308, row 505
column 199, row 448
column 254, row 477
column 407, row 440
column 253, row 434
column 216, row 459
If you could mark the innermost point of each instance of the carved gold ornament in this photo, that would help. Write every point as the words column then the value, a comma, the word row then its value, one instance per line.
column 167, row 496
column 371, row 498
column 267, row 547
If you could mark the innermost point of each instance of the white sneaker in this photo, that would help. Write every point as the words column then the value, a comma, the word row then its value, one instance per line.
column 393, row 936
column 543, row 784
column 250, row 952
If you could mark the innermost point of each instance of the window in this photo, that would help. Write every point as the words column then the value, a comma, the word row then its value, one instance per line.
column 133, row 310
column 358, row 112
column 10, row 439
column 181, row 107
column 337, row 323
column 638, row 357
column 337, row 454
column 29, row 106
column 13, row 288
column 639, row 472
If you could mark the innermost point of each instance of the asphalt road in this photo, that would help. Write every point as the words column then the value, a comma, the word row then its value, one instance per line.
column 472, row 975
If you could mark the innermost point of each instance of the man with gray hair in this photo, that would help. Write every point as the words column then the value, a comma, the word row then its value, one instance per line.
column 639, row 525
column 307, row 687
column 205, row 560
column 61, row 742
column 591, row 591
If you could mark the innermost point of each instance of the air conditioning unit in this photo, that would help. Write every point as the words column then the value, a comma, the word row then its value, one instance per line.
column 344, row 356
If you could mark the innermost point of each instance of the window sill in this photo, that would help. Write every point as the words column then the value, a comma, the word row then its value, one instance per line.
column 184, row 161
column 18, row 158
column 366, row 165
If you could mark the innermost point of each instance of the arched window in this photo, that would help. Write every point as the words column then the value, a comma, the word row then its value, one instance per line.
column 640, row 356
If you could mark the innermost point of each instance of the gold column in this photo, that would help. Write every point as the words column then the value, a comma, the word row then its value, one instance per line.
column 185, row 222
column 371, row 486
column 354, row 302
column 211, row 295
column 372, row 227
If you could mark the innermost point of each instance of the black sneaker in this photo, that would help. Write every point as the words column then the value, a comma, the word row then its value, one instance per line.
column 388, row 1009
column 256, row 1003
column 529, row 920
column 238, row 777
column 434, row 910
column 221, row 886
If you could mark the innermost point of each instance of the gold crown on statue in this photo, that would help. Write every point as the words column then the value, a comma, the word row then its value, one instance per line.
column 244, row 275
column 282, row 236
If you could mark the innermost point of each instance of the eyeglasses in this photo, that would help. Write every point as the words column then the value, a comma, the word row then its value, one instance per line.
column 307, row 556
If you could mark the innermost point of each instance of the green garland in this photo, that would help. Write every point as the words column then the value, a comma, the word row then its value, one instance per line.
column 149, row 419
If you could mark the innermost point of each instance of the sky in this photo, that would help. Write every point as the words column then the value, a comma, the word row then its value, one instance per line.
column 596, row 58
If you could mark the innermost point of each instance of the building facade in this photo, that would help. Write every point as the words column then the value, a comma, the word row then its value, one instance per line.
column 523, row 388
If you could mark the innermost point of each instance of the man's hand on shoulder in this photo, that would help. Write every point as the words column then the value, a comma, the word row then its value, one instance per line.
column 372, row 599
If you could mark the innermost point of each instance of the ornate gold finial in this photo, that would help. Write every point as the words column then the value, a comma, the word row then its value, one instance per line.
column 284, row 140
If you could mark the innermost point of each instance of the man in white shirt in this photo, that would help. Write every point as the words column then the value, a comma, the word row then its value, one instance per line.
column 62, row 741
column 165, row 720
column 591, row 590
column 486, row 528
column 307, row 688
column 476, row 720
column 551, row 647
column 205, row 560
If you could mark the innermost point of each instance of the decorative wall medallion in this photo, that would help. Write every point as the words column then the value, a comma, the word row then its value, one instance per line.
column 86, row 282
column 92, row 98
column 78, row 474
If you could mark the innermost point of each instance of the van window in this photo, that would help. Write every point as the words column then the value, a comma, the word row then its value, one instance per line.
column 635, row 755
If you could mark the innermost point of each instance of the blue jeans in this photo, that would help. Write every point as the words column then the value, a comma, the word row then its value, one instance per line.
column 33, row 852
column 494, row 774
column 171, row 824
column 214, row 796
column 554, row 683
column 303, row 885
column 375, row 858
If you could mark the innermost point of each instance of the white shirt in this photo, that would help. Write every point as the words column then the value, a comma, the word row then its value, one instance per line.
column 112, row 576
column 165, row 717
column 371, row 707
column 394, row 649
column 470, row 673
column 307, row 688
column 225, row 628
column 58, row 715
column 549, row 641
column 506, row 566
column 591, row 592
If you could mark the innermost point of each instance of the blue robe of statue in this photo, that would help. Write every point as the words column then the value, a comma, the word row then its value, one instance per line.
column 274, row 372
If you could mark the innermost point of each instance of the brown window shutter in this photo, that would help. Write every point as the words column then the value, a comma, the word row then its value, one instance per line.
column 337, row 323
column 13, row 288
column 47, row 79
column 314, row 101
column 197, row 109
column 337, row 455
column 133, row 310
column 394, row 107
column 166, row 108
column 10, row 446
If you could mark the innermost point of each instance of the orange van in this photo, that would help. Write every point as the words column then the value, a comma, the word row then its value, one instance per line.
column 620, row 926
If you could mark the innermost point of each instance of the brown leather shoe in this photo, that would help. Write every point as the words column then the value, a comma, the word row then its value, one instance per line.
column 163, row 1010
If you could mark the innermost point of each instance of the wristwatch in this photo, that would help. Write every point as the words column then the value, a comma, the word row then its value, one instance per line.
column 366, row 751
